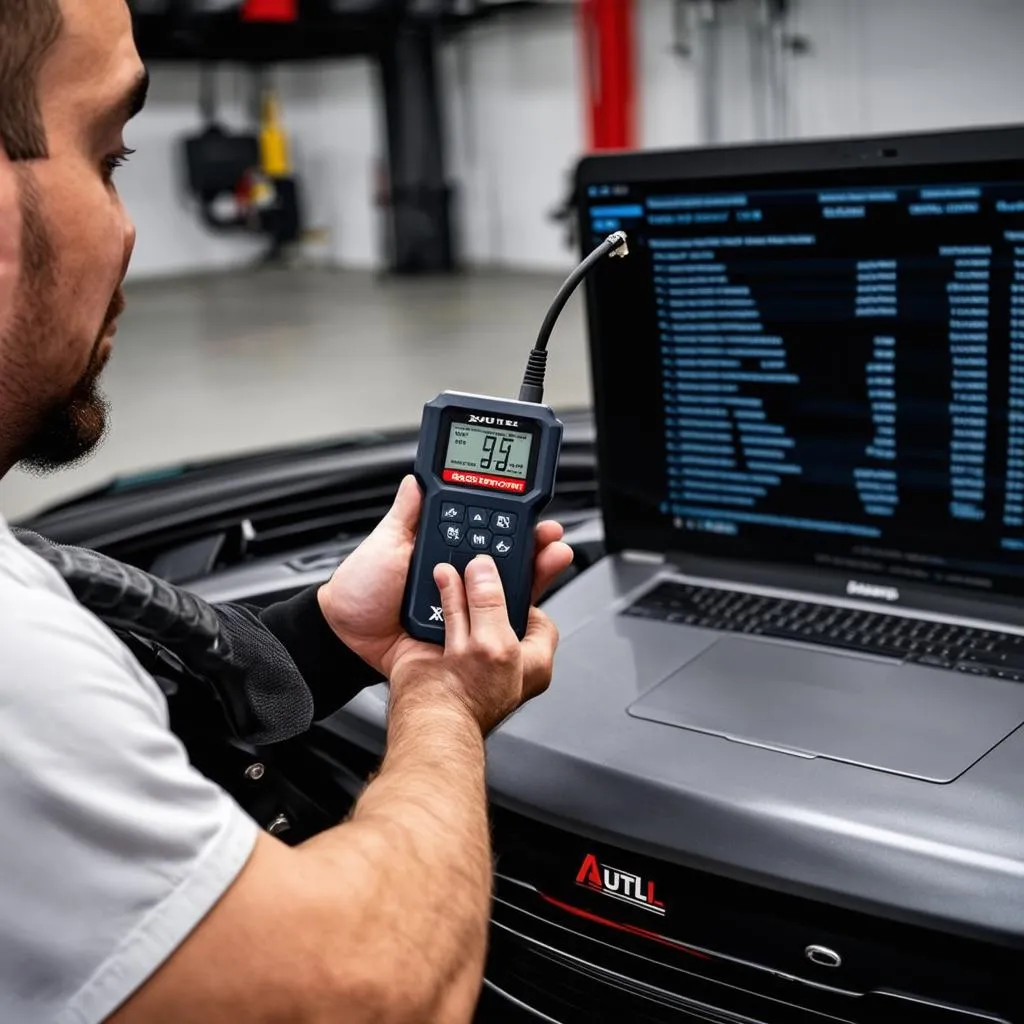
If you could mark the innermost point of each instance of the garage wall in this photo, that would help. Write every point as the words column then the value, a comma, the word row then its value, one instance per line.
column 884, row 66
column 516, row 128
column 516, row 125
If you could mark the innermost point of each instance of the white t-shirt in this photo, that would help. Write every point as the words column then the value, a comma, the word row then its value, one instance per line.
column 112, row 848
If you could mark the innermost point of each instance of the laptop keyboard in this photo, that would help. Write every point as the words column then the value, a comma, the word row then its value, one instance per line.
column 938, row 644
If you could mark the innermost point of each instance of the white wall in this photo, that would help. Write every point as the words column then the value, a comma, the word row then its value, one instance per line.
column 516, row 128
column 337, row 141
column 515, row 117
column 893, row 65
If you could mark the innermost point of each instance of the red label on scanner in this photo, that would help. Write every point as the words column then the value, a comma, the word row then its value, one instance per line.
column 495, row 483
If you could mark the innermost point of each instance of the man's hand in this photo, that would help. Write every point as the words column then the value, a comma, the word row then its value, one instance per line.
column 362, row 602
column 483, row 666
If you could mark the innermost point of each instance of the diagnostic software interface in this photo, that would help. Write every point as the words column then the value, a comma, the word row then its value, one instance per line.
column 820, row 372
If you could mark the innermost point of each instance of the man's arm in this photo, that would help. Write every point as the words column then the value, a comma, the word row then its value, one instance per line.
column 383, row 918
column 333, row 673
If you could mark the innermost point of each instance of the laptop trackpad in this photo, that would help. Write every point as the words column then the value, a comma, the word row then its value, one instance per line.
column 905, row 719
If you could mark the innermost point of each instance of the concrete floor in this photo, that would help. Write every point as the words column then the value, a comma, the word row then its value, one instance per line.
column 239, row 362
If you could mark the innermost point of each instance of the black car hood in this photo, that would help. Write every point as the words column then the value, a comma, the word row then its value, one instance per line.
column 944, row 857
column 949, row 857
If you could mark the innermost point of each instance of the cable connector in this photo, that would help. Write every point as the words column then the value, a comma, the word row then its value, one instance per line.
column 533, row 380
column 532, row 390
column 622, row 249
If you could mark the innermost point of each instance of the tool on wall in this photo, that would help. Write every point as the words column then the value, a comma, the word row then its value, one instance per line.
column 244, row 181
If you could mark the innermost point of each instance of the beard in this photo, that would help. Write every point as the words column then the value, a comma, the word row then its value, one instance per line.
column 68, row 427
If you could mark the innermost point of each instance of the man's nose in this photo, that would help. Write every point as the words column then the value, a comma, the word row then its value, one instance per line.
column 129, row 244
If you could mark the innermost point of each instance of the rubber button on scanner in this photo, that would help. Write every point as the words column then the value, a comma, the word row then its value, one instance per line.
column 504, row 522
column 502, row 546
column 452, row 534
column 479, row 539
column 452, row 512
column 479, row 516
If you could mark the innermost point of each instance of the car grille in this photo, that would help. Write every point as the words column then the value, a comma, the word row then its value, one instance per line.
column 722, row 951
column 575, row 978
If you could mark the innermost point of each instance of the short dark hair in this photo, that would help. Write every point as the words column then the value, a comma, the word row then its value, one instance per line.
column 28, row 28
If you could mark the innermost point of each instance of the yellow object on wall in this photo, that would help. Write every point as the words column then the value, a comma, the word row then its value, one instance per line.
column 275, row 158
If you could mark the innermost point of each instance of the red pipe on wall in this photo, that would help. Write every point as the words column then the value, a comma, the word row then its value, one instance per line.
column 608, row 39
column 270, row 10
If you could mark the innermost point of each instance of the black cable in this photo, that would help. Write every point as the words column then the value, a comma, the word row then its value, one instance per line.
column 532, row 389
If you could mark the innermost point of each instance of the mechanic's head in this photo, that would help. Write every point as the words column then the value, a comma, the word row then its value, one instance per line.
column 70, row 79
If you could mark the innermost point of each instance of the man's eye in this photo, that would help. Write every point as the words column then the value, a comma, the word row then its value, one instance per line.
column 114, row 161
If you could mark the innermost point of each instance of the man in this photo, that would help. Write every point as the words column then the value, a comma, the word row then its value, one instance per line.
column 133, row 889
column 10, row 241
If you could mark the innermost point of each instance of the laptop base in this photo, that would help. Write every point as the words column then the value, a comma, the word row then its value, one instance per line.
column 905, row 719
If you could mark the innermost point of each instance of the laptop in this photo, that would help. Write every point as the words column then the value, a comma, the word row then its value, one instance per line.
column 809, row 393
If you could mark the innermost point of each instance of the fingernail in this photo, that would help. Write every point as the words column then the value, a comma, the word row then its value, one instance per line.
column 485, row 565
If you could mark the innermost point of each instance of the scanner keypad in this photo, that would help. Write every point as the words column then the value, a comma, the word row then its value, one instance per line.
column 477, row 528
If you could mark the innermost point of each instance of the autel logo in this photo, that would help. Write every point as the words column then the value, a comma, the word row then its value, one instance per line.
column 856, row 589
column 619, row 885
column 492, row 421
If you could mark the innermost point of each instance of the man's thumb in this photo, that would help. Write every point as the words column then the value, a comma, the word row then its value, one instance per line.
column 405, row 512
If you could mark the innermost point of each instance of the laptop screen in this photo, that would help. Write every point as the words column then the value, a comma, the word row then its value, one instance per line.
column 817, row 369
